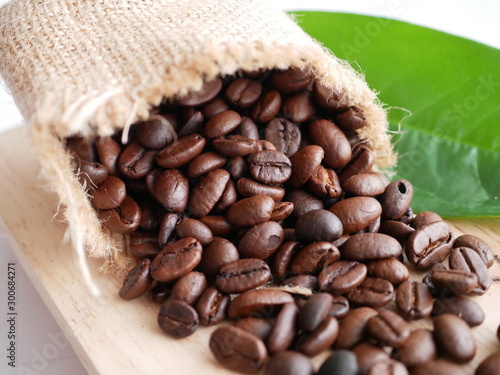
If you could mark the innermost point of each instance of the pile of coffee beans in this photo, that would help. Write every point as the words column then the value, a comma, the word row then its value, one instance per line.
column 253, row 200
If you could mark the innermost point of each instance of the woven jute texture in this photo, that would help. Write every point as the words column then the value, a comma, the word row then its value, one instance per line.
column 89, row 67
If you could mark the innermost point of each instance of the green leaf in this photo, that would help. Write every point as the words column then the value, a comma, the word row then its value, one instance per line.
column 450, row 146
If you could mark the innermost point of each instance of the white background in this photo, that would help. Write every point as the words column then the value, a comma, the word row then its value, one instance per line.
column 41, row 348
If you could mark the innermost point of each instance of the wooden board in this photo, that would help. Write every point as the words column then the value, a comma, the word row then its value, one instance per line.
column 112, row 336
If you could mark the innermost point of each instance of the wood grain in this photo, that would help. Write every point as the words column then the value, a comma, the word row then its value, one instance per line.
column 112, row 336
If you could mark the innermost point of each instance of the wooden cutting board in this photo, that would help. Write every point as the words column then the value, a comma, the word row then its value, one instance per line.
column 112, row 336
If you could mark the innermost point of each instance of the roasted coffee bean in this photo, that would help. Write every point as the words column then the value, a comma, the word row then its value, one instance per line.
column 212, row 306
column 249, row 188
column 438, row 367
column 208, row 91
column 457, row 282
column 352, row 327
column 333, row 141
column 365, row 246
column 237, row 167
column 361, row 162
column 327, row 99
column 194, row 228
column 228, row 198
column 283, row 332
column 222, row 124
column 425, row 218
column 301, row 282
column 237, row 349
column 137, row 281
column 193, row 125
column 171, row 189
column 284, row 135
column 478, row 245
column 372, row 292
column 207, row 192
column 427, row 280
column 340, row 307
column 289, row 363
column 414, row 300
column 234, row 145
column 84, row 148
column 261, row 240
column 251, row 211
column 356, row 213
column 109, row 194
column 258, row 302
column 368, row 356
column 490, row 365
column 256, row 326
column 243, row 92
column 143, row 245
column 108, row 150
column 324, row 183
column 351, row 119
column 429, row 244
column 248, row 129
column 267, row 107
column 205, row 163
column 291, row 80
column 314, row 311
column 312, row 258
column 221, row 251
column 418, row 349
column 304, row 164
column 242, row 275
column 366, row 184
column 282, row 259
column 281, row 211
column 218, row 225
column 341, row 362
column 154, row 133
column 388, row 328
column 270, row 167
column 396, row 199
column 189, row 287
column 151, row 215
column 123, row 219
column 466, row 259
column 161, row 292
column 341, row 277
column 214, row 107
column 389, row 269
column 176, row 259
column 303, row 202
column 341, row 240
column 177, row 319
column 167, row 233
column 464, row 307
column 181, row 152
column 400, row 231
column 311, row 344
column 454, row 338
column 299, row 107
column 318, row 225
column 90, row 174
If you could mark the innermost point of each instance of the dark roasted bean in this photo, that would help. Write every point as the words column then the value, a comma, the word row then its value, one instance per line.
column 161, row 292
column 249, row 188
column 154, row 133
column 437, row 367
column 189, row 287
column 84, row 148
column 261, row 240
column 352, row 327
column 108, row 150
column 194, row 228
column 281, row 211
column 396, row 229
column 372, row 292
column 248, row 129
column 222, row 124
column 137, row 281
column 457, row 282
column 90, row 173
column 351, row 119
column 315, row 342
column 366, row 184
column 324, row 183
column 256, row 326
column 289, row 363
column 216, row 106
column 328, row 99
column 207, row 192
column 464, row 307
column 205, row 163
column 284, row 135
column 221, row 251
column 490, row 365
column 478, row 245
column 283, row 332
column 243, row 92
column 167, row 232
column 258, row 302
column 333, row 141
column 291, row 80
column 388, row 328
column 181, row 152
column 251, row 211
column 143, row 245
column 177, row 319
column 414, row 300
column 207, row 92
column 318, row 225
column 212, row 306
column 341, row 362
column 218, row 225
column 390, row 269
column 193, row 125
column 454, row 338
column 312, row 258
column 123, row 219
column 368, row 356
column 299, row 107
column 171, row 189
column 466, row 259
column 267, row 107
column 419, row 348
column 365, row 246
column 242, row 275
column 361, row 161
column 109, row 194
column 396, row 199
column 357, row 213
column 303, row 202
column 304, row 164
column 234, row 145
column 151, row 214
column 314, row 311
column 270, row 167
column 339, row 308
column 341, row 277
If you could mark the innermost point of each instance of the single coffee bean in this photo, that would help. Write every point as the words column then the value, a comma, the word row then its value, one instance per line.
column 214, row 107
column 154, row 133
column 249, row 188
column 372, row 292
column 189, row 287
column 256, row 326
column 457, row 282
column 337, row 150
column 267, row 107
column 365, row 246
column 151, row 215
column 177, row 319
column 282, row 259
column 289, row 363
column 283, row 332
column 314, row 311
column 389, row 269
column 251, row 211
column 357, row 213
column 208, row 91
column 368, row 356
column 218, row 225
column 304, row 164
column 466, row 259
column 261, row 240
column 108, row 150
column 340, row 307
column 237, row 167
column 307, row 284
column 366, row 184
column 388, row 328
column 205, row 163
column 396, row 229
column 243, row 92
column 299, row 107
column 143, row 245
column 341, row 277
column 161, row 292
column 242, row 275
column 194, row 228
column 123, row 219
column 311, row 344
column 318, row 225
column 303, row 202
column 341, row 362
column 181, row 152
column 291, row 80
column 222, row 124
column 361, row 162
column 352, row 327
column 327, row 99
column 176, row 259
column 167, row 233
column 84, row 148
column 258, row 302
column 454, row 338
column 248, row 129
column 429, row 244
column 284, row 135
column 281, row 211
column 109, row 194
column 171, row 189
column 212, row 306
column 414, row 300
column 396, row 199
column 324, row 183
column 193, row 124
column 207, row 192
column 351, row 119
column 418, row 349
column 270, row 167
column 221, row 251
column 90, row 174
column 490, row 365
column 464, row 307
column 425, row 218
column 478, row 245
column 228, row 198
column 312, row 258
column 437, row 367
column 137, row 281
column 234, row 145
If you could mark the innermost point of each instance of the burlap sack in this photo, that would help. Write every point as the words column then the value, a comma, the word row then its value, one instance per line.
column 90, row 67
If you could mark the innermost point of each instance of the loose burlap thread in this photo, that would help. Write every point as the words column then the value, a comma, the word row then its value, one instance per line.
column 90, row 67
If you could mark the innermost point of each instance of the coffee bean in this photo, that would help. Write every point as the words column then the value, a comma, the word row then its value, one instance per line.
column 84, row 148
column 340, row 362
column 490, row 365
column 218, row 225
column 267, row 107
column 143, row 245
column 222, row 124
column 364, row 246
column 212, row 306
column 258, row 302
column 154, row 133
column 207, row 192
column 251, row 211
column 283, row 332
column 171, row 189
column 478, row 245
column 261, row 240
column 256, row 326
column 289, row 363
column 437, row 367
column 181, row 152
column 284, row 135
column 282, row 259
column 304, row 164
column 352, row 327
column 429, row 244
column 333, row 141
column 388, row 328
column 328, row 99
column 243, row 92
column 167, row 233
column 311, row 344
column 303, row 202
column 396, row 199
column 137, row 281
column 281, row 211
column 389, row 269
column 454, row 338
column 189, row 287
column 312, row 258
column 208, row 91
column 90, row 174
column 108, row 150
column 123, row 219
column 465, row 308
column 291, row 80
column 414, row 300
column 425, row 218
column 177, row 319
column 368, row 356
column 299, row 107
column 341, row 277
column 314, row 311
column 357, row 213
column 214, row 107
column 194, row 228
column 161, row 292
column 396, row 229
column 324, row 183
column 109, row 194
column 228, row 198
column 176, row 259
column 361, row 162
column 221, row 251
column 340, row 307
column 205, row 163
column 242, row 275
column 372, row 292
column 249, row 188
column 366, row 184
column 318, row 225
column 418, row 349
column 234, row 145
column 248, row 129
column 457, row 282
column 466, row 259
column 270, row 167
column 151, row 215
